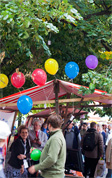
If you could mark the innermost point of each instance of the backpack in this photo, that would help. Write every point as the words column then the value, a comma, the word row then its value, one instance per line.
column 89, row 141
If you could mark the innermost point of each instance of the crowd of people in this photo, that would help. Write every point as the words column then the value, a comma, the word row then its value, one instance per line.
column 94, row 142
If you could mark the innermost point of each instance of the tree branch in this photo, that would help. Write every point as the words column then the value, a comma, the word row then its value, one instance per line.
column 96, row 4
column 105, row 5
column 106, row 47
column 105, row 12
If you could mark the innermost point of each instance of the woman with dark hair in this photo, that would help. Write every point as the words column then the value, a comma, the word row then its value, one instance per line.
column 20, row 152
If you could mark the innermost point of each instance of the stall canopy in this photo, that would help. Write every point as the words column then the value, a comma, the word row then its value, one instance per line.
column 47, row 112
column 47, row 94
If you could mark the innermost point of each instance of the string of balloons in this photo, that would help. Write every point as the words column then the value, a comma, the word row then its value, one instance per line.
column 39, row 77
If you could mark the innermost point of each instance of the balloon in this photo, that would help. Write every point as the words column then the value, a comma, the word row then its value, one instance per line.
column 39, row 77
column 71, row 69
column 35, row 155
column 91, row 62
column 3, row 80
column 18, row 79
column 51, row 66
column 24, row 104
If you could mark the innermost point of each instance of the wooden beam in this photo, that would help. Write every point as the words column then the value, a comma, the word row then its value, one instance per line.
column 62, row 101
column 56, row 91
column 67, row 118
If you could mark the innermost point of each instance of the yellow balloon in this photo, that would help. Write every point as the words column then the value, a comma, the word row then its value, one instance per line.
column 51, row 66
column 3, row 80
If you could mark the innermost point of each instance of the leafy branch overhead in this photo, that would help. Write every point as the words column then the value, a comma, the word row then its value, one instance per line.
column 22, row 20
column 74, row 30
column 99, row 81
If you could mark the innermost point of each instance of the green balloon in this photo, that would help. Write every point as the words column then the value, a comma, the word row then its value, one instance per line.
column 35, row 155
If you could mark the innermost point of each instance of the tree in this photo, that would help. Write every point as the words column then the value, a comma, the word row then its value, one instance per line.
column 76, row 29
column 24, row 26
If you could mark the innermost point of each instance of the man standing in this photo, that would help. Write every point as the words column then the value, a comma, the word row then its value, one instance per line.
column 92, row 147
column 53, row 156
column 72, row 136
column 37, row 138
column 83, row 129
column 73, row 139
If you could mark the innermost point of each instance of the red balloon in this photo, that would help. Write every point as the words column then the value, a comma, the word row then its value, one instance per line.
column 39, row 77
column 18, row 79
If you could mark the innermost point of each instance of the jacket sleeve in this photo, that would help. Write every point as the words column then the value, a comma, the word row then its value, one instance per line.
column 100, row 144
column 28, row 148
column 44, row 140
column 17, row 150
column 108, row 151
column 52, row 155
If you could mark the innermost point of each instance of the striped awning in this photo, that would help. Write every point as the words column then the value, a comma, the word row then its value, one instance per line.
column 46, row 93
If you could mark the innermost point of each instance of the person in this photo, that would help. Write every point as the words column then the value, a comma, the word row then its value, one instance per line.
column 73, row 139
column 92, row 155
column 81, row 123
column 109, row 159
column 84, row 129
column 72, row 136
column 20, row 152
column 37, row 137
column 44, row 129
column 4, row 133
column 110, row 134
column 53, row 155
column 99, row 129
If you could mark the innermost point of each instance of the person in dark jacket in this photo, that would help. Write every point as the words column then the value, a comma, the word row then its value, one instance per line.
column 20, row 152
column 72, row 136
column 73, row 139
column 92, row 157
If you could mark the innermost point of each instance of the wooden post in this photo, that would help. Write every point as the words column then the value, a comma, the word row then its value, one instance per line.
column 12, row 127
column 56, row 91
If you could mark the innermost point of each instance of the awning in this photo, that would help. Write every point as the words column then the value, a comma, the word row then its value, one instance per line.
column 46, row 93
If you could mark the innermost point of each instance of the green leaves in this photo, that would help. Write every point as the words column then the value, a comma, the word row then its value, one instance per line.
column 100, row 80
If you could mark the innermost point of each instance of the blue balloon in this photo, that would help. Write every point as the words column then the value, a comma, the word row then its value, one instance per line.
column 71, row 69
column 24, row 104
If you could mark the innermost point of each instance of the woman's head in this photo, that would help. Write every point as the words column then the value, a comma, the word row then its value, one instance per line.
column 23, row 132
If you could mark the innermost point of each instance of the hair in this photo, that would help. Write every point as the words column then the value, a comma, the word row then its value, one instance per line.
column 92, row 124
column 45, row 123
column 37, row 120
column 55, row 120
column 21, row 128
column 84, row 123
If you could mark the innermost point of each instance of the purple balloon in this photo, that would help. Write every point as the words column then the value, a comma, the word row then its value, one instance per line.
column 91, row 62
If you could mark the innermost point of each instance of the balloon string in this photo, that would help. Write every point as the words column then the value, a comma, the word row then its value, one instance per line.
column 55, row 76
column 20, row 92
column 47, row 97
column 73, row 93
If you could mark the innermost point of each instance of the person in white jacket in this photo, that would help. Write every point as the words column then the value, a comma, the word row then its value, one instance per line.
column 109, row 159
column 4, row 133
